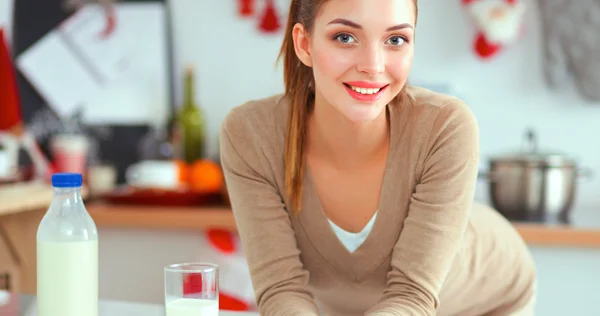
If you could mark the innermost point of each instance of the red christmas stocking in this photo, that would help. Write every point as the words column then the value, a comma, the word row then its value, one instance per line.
column 499, row 24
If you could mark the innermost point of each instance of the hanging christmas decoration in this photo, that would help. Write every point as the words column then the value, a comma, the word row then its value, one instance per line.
column 270, row 20
column 246, row 8
column 499, row 24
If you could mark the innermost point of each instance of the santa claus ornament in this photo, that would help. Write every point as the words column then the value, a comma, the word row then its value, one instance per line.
column 499, row 24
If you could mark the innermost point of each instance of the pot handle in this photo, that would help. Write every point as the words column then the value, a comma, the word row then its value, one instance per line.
column 584, row 174
column 531, row 143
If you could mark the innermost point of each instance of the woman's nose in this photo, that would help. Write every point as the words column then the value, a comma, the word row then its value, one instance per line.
column 372, row 60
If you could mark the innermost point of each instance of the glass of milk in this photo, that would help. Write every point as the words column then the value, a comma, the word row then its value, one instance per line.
column 192, row 289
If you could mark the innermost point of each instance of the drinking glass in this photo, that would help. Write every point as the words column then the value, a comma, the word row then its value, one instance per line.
column 192, row 289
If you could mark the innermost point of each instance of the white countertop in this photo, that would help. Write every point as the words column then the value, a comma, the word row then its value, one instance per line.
column 25, row 306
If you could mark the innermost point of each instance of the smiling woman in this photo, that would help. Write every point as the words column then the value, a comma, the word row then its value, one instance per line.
column 353, row 192
column 335, row 49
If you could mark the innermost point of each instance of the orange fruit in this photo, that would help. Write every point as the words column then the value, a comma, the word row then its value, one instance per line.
column 206, row 176
column 184, row 173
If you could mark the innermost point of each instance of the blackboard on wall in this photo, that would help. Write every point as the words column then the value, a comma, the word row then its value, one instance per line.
column 117, row 145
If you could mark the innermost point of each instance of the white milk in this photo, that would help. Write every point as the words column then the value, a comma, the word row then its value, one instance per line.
column 192, row 307
column 67, row 275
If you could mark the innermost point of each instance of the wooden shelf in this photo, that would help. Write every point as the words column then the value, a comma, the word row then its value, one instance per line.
column 153, row 217
column 200, row 218
column 28, row 196
column 559, row 236
column 24, row 197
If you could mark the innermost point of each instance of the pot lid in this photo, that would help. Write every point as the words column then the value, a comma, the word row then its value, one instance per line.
column 532, row 155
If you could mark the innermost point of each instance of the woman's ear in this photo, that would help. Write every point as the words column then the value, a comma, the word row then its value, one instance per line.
column 302, row 44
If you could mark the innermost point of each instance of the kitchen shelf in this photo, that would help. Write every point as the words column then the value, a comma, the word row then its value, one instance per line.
column 559, row 235
column 27, row 196
column 201, row 218
column 162, row 217
column 23, row 197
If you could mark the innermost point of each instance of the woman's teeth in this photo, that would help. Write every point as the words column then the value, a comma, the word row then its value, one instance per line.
column 365, row 90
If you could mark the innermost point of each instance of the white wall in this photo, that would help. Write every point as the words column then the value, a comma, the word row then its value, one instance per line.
column 5, row 15
column 131, row 263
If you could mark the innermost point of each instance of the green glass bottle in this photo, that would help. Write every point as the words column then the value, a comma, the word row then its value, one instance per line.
column 191, row 123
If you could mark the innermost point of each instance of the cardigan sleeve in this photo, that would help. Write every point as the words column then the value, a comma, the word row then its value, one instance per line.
column 437, row 217
column 268, row 240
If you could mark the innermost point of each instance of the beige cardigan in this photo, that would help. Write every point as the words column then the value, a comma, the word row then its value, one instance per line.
column 430, row 252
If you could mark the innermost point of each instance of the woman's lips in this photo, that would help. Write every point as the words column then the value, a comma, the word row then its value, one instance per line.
column 365, row 91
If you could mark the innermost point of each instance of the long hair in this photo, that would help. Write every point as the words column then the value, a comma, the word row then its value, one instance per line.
column 299, row 90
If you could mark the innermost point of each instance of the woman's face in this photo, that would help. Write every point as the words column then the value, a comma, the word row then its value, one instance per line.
column 361, row 52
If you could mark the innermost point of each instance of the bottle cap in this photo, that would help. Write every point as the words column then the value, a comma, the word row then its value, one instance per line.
column 67, row 180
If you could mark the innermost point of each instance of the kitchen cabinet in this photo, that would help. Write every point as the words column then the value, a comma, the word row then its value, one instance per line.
column 568, row 279
column 22, row 206
column 9, row 269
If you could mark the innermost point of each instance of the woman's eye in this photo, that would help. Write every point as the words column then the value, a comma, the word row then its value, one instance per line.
column 396, row 40
column 345, row 38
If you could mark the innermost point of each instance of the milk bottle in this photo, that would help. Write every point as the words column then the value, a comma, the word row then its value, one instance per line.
column 67, row 253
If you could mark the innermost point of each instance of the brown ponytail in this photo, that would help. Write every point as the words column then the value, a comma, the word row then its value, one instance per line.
column 297, row 79
column 298, row 91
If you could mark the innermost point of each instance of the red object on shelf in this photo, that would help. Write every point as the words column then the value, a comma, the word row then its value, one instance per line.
column 270, row 21
column 246, row 7
column 9, row 94
column 161, row 197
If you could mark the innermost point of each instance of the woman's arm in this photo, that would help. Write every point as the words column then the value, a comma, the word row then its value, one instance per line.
column 437, row 217
column 269, row 243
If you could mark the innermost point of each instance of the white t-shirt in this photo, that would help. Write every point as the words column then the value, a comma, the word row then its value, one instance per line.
column 353, row 240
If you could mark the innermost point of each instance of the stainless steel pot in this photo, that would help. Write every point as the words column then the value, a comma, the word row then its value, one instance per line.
column 531, row 185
